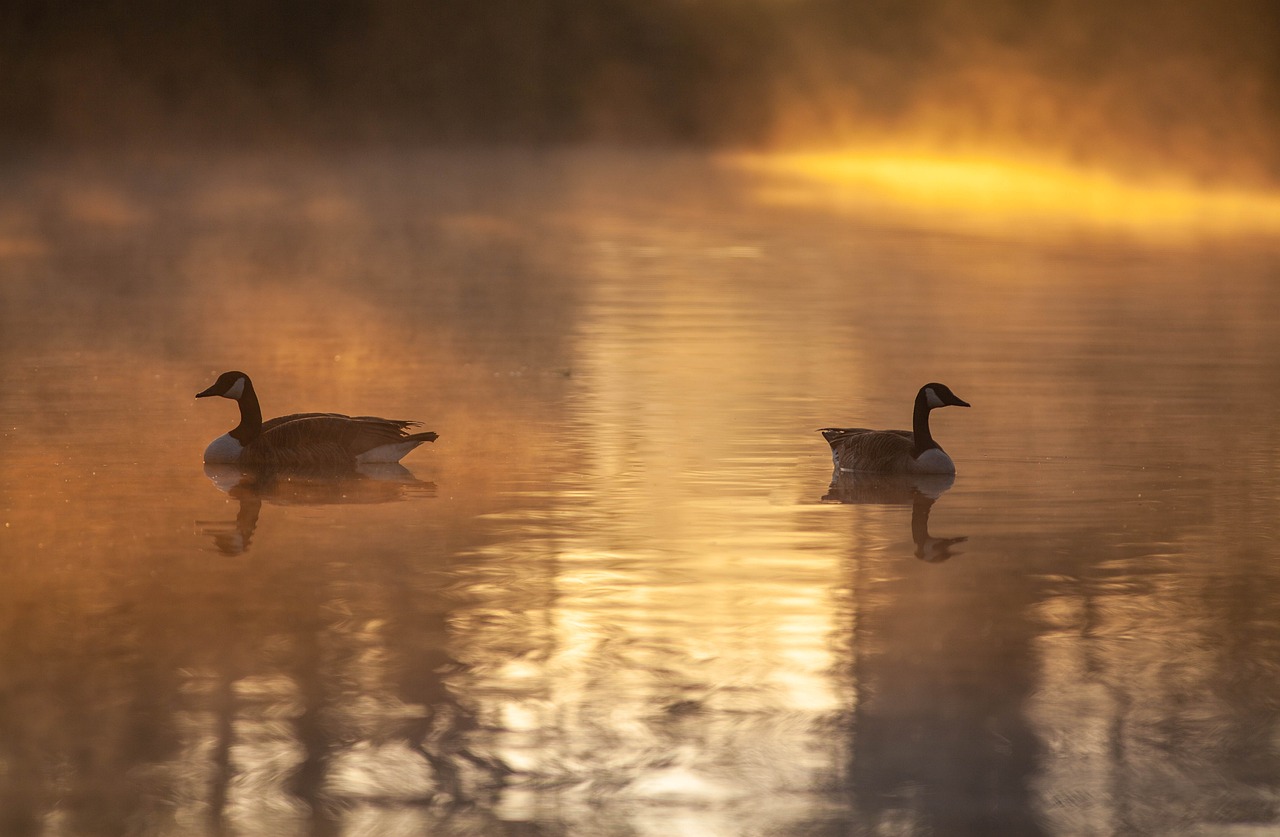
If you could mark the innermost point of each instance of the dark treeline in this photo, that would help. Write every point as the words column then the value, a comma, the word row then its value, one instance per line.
column 1195, row 81
column 436, row 69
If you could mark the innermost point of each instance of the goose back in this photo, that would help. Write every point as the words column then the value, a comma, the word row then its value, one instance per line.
column 861, row 449
column 327, row 440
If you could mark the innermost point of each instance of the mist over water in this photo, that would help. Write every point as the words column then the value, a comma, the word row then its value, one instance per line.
column 626, row 258
column 621, row 590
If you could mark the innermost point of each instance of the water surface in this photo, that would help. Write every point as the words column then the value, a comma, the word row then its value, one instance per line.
column 619, row 596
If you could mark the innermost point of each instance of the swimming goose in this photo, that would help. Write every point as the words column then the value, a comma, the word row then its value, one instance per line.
column 896, row 451
column 304, row 440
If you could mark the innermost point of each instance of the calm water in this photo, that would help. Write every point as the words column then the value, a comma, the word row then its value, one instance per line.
column 618, row 596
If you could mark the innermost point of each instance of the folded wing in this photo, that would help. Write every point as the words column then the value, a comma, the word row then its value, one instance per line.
column 328, row 440
column 860, row 449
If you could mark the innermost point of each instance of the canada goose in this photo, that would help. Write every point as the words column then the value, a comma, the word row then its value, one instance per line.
column 304, row 440
column 896, row 451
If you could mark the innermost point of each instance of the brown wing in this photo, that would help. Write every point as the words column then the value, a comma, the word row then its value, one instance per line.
column 276, row 422
column 324, row 440
column 859, row 449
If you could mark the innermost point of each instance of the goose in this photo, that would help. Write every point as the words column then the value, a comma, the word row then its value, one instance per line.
column 304, row 440
column 896, row 451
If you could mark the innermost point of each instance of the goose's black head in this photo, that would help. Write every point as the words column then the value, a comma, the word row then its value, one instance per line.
column 938, row 395
column 229, row 385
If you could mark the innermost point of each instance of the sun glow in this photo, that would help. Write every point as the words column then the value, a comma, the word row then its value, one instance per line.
column 980, row 190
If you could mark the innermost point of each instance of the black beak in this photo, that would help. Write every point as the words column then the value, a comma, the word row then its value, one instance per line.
column 210, row 391
column 959, row 403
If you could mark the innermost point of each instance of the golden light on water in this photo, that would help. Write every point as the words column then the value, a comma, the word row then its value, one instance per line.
column 990, row 190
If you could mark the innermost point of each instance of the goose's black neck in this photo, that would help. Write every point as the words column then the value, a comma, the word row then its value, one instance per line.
column 250, row 426
column 920, row 426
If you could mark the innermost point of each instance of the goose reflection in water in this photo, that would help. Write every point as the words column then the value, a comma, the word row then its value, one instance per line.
column 367, row 484
column 920, row 491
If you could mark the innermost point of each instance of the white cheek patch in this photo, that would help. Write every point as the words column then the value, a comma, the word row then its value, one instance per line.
column 932, row 398
column 237, row 389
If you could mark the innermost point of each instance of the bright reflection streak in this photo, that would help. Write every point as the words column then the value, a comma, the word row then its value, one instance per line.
column 1004, row 191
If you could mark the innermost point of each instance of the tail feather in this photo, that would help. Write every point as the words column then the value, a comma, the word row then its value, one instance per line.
column 834, row 435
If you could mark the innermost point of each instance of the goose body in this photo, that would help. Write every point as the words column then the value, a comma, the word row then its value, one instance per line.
column 304, row 440
column 896, row 451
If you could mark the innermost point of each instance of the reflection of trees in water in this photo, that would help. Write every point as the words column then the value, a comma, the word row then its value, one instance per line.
column 349, row 692
column 638, row 690
column 260, row 726
column 301, row 693
column 1142, row 740
column 937, row 743
column 74, row 705
column 1051, row 689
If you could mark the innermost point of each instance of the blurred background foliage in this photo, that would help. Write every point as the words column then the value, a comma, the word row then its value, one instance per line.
column 1141, row 83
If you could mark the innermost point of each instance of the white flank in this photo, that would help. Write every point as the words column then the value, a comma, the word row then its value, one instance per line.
column 387, row 453
column 224, row 450
column 934, row 461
